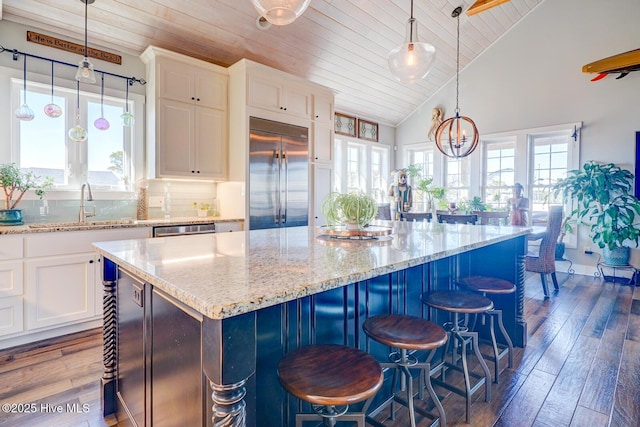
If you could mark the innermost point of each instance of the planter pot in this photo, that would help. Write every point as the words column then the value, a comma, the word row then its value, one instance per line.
column 617, row 257
column 11, row 217
column 560, row 246
column 203, row 212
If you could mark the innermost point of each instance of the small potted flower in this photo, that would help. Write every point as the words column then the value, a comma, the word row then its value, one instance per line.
column 202, row 209
column 15, row 183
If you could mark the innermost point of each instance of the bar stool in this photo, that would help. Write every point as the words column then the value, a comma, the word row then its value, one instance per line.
column 405, row 333
column 491, row 285
column 330, row 377
column 460, row 302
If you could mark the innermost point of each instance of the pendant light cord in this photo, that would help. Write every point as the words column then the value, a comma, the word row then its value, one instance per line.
column 51, row 82
column 102, row 97
column 24, row 79
column 458, row 64
column 86, row 49
column 412, row 21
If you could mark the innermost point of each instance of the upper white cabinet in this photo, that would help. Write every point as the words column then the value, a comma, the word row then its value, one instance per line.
column 191, row 84
column 323, row 108
column 279, row 95
column 186, row 116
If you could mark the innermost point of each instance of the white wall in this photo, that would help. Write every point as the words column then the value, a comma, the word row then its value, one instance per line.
column 532, row 77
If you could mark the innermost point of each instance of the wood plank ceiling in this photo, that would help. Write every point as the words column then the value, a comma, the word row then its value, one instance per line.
column 341, row 44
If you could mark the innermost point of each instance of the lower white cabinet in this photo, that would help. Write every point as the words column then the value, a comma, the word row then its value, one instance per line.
column 60, row 289
column 11, row 315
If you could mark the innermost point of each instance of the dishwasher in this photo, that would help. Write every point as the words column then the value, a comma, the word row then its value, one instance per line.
column 182, row 230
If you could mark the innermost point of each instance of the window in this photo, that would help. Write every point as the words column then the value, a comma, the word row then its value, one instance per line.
column 458, row 180
column 362, row 166
column 105, row 159
column 499, row 171
column 423, row 158
column 550, row 163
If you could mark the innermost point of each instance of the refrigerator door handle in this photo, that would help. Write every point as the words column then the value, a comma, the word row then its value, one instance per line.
column 285, row 161
column 276, row 156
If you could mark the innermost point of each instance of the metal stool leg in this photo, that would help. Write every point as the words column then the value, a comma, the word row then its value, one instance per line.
column 483, row 364
column 505, row 335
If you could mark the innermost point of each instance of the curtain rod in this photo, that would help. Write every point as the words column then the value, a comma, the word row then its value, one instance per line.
column 16, row 53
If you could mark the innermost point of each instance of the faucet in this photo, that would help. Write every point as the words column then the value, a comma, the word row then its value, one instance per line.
column 83, row 215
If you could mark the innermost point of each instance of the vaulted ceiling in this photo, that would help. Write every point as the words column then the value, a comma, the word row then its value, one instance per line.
column 341, row 44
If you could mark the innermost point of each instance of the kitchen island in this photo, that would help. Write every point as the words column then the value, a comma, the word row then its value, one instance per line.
column 195, row 326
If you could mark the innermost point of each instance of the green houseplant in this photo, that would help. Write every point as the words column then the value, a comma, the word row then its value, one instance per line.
column 15, row 183
column 604, row 204
column 424, row 185
column 355, row 209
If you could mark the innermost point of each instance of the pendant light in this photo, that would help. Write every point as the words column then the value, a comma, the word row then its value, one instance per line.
column 78, row 133
column 280, row 12
column 24, row 113
column 457, row 136
column 101, row 123
column 411, row 61
column 52, row 109
column 127, row 117
column 85, row 73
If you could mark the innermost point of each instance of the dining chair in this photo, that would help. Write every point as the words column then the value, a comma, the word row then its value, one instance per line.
column 493, row 218
column 384, row 211
column 457, row 219
column 416, row 216
column 544, row 261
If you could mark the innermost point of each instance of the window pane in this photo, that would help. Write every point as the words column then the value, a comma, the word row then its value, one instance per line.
column 43, row 139
column 106, row 148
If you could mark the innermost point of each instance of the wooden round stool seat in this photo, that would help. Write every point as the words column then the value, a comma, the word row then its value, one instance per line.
column 457, row 301
column 487, row 285
column 330, row 375
column 407, row 332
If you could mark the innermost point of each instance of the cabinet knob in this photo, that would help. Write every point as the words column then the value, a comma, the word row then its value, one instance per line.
column 197, row 171
column 282, row 108
column 316, row 158
column 193, row 171
column 193, row 98
column 317, row 116
column 285, row 108
column 90, row 261
column 197, row 99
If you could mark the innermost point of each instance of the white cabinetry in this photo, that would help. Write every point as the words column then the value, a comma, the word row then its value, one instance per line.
column 227, row 226
column 186, row 116
column 323, row 185
column 53, row 285
column 276, row 94
column 11, row 285
column 263, row 92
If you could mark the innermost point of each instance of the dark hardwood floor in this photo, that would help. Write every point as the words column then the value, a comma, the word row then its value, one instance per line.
column 581, row 368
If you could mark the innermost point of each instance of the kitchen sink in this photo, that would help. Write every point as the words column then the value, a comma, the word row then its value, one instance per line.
column 75, row 224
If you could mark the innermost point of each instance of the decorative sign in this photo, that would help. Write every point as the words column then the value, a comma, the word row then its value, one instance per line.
column 73, row 47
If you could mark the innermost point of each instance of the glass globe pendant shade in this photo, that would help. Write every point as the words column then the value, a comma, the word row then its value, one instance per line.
column 101, row 123
column 127, row 119
column 457, row 136
column 52, row 110
column 78, row 134
column 411, row 61
column 85, row 73
column 24, row 113
column 280, row 12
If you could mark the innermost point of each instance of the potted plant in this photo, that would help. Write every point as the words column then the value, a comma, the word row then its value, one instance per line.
column 565, row 227
column 604, row 204
column 15, row 183
column 202, row 209
column 425, row 186
column 355, row 209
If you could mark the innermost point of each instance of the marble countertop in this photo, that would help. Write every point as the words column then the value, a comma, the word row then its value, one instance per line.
column 106, row 224
column 223, row 275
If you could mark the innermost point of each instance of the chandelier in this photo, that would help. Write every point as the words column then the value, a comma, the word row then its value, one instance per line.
column 457, row 136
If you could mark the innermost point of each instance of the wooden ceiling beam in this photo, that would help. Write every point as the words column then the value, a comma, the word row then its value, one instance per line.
column 621, row 61
column 482, row 5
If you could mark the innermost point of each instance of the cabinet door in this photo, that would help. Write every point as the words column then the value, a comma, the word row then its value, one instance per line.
column 175, row 138
column 59, row 289
column 10, row 278
column 210, row 143
column 323, row 141
column 297, row 101
column 11, row 315
column 323, row 108
column 223, row 227
column 175, row 81
column 266, row 92
column 322, row 186
column 210, row 89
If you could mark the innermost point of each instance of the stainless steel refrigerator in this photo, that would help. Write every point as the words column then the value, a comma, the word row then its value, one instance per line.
column 278, row 174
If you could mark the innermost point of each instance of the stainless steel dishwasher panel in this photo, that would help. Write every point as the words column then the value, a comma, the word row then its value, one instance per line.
column 177, row 381
column 180, row 230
